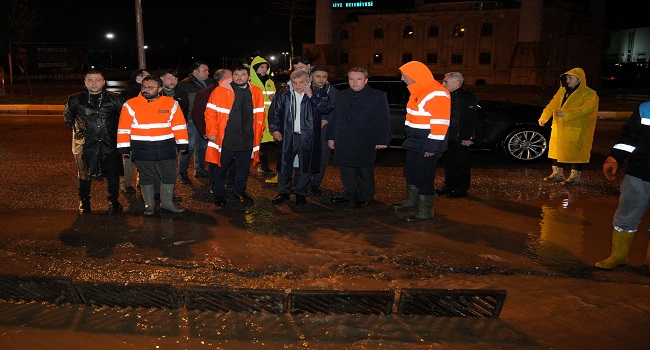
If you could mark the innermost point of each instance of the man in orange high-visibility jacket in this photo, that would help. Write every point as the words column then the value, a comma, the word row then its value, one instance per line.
column 234, row 122
column 152, row 127
column 427, row 120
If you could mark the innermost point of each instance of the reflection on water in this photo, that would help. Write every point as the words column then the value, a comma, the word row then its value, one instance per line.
column 561, row 233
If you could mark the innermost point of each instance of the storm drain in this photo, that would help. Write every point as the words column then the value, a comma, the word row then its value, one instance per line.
column 436, row 302
column 341, row 302
column 451, row 303
column 40, row 289
column 244, row 300
column 133, row 295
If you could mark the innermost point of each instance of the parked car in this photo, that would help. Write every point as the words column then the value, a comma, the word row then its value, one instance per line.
column 506, row 126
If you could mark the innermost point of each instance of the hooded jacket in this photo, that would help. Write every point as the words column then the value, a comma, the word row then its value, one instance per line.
column 94, row 133
column 427, row 111
column 268, row 89
column 572, row 135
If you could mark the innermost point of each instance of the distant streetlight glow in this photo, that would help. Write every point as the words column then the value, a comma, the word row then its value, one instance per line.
column 110, row 37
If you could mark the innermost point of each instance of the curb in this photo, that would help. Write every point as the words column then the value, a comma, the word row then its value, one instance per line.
column 24, row 109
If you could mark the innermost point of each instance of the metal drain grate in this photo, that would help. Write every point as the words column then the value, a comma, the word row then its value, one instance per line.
column 341, row 302
column 41, row 289
column 451, row 303
column 243, row 300
column 133, row 295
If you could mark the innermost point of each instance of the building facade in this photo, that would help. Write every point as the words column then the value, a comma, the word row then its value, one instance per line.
column 526, row 42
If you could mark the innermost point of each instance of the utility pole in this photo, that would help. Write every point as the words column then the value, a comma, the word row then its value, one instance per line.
column 142, row 60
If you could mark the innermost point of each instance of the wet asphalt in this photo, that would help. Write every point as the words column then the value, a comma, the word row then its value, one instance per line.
column 513, row 232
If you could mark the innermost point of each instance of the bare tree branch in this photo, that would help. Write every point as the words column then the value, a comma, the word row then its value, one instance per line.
column 21, row 18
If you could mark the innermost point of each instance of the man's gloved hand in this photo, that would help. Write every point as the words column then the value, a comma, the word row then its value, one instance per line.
column 609, row 168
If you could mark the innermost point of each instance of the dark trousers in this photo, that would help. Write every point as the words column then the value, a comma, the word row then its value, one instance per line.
column 112, row 187
column 301, row 179
column 420, row 171
column 574, row 166
column 241, row 161
column 151, row 170
column 325, row 151
column 265, row 148
column 457, row 160
column 358, row 183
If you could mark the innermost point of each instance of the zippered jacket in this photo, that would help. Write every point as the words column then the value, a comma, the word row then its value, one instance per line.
column 152, row 131
column 217, row 113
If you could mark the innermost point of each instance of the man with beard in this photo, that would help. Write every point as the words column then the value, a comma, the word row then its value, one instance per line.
column 92, row 116
column 152, row 127
column 234, row 122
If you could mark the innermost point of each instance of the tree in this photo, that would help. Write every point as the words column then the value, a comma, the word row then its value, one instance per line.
column 298, row 12
column 21, row 18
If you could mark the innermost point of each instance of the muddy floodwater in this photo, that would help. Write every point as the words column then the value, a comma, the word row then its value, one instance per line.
column 514, row 233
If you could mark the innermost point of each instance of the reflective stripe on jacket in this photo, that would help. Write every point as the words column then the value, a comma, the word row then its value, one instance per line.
column 152, row 130
column 217, row 113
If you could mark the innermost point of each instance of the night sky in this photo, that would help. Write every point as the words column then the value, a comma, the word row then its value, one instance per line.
column 207, row 30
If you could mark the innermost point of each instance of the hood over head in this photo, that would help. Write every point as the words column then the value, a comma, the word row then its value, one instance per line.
column 576, row 72
column 420, row 73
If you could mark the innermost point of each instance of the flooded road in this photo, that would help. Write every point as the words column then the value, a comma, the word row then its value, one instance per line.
column 514, row 232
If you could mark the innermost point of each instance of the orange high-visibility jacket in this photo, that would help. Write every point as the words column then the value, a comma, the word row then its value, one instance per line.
column 217, row 113
column 152, row 130
column 429, row 107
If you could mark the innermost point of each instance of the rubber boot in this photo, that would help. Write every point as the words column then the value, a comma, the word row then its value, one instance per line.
column 148, row 196
column 411, row 202
column 556, row 176
column 167, row 199
column 574, row 178
column 621, row 243
column 425, row 208
column 273, row 180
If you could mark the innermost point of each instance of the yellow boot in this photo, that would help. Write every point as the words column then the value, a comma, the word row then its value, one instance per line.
column 273, row 180
column 621, row 243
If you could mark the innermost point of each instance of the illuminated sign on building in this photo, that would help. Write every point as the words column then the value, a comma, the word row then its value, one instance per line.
column 354, row 4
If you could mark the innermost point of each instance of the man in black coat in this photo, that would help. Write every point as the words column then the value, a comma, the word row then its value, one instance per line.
column 359, row 126
column 461, row 133
column 295, row 120
column 93, row 117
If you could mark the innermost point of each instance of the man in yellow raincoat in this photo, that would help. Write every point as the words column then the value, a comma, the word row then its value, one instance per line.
column 260, row 77
column 574, row 110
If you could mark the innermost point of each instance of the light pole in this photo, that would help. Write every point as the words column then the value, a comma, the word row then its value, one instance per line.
column 284, row 55
column 110, row 37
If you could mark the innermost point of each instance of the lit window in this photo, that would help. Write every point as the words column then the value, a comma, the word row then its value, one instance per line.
column 408, row 31
column 459, row 30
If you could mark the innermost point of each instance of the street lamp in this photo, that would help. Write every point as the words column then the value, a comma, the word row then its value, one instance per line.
column 110, row 37
column 284, row 54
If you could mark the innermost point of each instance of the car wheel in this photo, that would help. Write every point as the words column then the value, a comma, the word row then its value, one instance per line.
column 525, row 144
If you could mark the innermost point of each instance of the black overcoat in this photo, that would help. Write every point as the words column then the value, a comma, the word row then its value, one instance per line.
column 359, row 122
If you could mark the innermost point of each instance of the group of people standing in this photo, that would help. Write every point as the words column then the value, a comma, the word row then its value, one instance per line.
column 158, row 122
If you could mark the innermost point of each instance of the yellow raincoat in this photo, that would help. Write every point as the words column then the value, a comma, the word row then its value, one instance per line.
column 572, row 135
column 268, row 90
